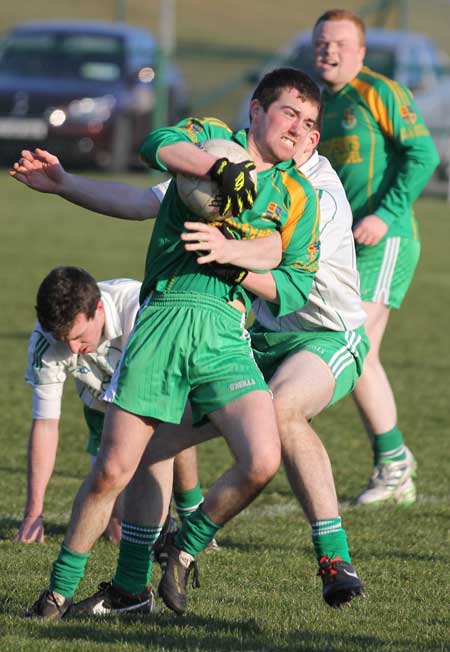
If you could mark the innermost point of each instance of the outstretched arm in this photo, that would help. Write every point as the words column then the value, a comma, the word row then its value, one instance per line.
column 42, row 171
column 42, row 447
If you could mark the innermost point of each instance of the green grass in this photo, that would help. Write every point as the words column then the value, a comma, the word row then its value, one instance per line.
column 260, row 592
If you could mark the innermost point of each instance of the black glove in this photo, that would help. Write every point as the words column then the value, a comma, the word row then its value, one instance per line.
column 236, row 185
column 228, row 273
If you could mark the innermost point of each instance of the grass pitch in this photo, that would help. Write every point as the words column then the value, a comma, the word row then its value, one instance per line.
column 260, row 591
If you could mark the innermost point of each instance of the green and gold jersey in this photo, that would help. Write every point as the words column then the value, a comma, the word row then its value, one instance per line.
column 376, row 140
column 285, row 202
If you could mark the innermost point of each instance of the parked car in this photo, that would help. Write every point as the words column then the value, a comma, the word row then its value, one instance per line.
column 410, row 58
column 83, row 90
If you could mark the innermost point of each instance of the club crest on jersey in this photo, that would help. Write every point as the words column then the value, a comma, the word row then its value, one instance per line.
column 349, row 120
column 314, row 249
column 193, row 127
column 273, row 212
column 408, row 114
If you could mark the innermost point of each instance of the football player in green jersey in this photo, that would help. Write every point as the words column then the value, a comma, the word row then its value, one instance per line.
column 376, row 139
column 189, row 340
column 327, row 327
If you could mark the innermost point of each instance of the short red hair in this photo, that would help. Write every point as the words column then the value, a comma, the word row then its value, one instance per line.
column 345, row 14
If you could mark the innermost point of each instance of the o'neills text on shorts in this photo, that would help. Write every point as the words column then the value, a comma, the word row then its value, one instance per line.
column 242, row 383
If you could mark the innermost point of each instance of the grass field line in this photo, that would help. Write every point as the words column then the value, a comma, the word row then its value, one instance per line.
column 272, row 511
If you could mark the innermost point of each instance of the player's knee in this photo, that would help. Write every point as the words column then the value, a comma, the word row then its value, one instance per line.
column 288, row 413
column 261, row 468
column 108, row 479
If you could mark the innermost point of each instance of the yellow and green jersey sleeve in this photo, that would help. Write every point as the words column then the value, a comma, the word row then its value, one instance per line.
column 285, row 202
column 300, row 246
column 376, row 139
column 191, row 130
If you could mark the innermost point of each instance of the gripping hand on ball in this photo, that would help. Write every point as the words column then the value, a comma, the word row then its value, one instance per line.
column 236, row 185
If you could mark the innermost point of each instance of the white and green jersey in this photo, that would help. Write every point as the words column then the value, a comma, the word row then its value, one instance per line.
column 334, row 302
column 50, row 361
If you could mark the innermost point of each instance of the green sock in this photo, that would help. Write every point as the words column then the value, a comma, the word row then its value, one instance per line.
column 389, row 447
column 330, row 539
column 135, row 563
column 68, row 571
column 186, row 502
column 197, row 531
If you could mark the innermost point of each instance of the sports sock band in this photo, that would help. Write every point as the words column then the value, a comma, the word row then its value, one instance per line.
column 186, row 502
column 197, row 531
column 68, row 571
column 330, row 539
column 135, row 562
column 389, row 447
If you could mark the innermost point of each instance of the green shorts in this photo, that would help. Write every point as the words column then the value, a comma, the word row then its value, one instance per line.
column 185, row 346
column 94, row 420
column 343, row 351
column 387, row 269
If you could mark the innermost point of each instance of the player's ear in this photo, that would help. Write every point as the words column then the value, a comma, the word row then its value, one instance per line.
column 314, row 136
column 255, row 108
column 362, row 54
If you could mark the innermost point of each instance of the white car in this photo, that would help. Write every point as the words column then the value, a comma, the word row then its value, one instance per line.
column 410, row 58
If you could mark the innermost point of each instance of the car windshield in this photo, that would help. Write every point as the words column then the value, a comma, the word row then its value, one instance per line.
column 377, row 58
column 69, row 56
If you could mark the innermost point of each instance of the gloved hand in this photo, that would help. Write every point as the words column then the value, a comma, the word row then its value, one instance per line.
column 236, row 185
column 229, row 273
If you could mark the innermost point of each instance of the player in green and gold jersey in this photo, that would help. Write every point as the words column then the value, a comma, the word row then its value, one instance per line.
column 189, row 341
column 376, row 139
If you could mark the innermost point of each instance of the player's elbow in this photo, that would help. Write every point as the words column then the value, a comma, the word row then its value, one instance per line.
column 276, row 251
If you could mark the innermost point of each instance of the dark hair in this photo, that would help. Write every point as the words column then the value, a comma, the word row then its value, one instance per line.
column 273, row 83
column 345, row 14
column 63, row 294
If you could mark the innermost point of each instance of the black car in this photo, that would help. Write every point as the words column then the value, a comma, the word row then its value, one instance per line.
column 83, row 90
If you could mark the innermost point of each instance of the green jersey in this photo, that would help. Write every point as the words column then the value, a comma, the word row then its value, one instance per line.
column 285, row 202
column 376, row 139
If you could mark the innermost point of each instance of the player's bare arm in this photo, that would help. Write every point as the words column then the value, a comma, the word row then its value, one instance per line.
column 259, row 253
column 262, row 285
column 42, row 171
column 42, row 447
column 186, row 158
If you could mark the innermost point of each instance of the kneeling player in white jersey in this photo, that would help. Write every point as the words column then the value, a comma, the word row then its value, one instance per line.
column 313, row 357
column 81, row 331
